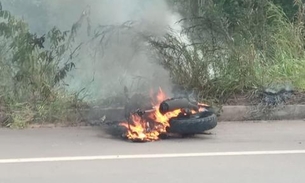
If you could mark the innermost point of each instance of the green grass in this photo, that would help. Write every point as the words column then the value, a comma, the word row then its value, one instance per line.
column 31, row 73
column 264, row 49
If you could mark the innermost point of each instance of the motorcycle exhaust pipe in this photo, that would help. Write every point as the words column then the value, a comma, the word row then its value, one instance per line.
column 177, row 103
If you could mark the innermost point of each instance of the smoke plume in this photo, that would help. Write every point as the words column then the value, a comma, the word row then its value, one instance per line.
column 125, row 61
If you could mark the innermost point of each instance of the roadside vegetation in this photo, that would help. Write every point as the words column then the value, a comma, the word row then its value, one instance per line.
column 32, row 69
column 238, row 47
column 233, row 47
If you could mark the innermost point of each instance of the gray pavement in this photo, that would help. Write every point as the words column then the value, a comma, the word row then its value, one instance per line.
column 226, row 137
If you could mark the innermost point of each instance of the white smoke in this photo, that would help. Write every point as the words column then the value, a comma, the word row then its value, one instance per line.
column 123, row 62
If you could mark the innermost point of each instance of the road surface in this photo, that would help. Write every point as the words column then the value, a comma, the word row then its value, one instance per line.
column 271, row 152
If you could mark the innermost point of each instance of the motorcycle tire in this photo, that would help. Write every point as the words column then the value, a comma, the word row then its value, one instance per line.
column 195, row 124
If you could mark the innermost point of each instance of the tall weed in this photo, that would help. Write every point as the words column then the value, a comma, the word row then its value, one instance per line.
column 262, row 47
column 32, row 68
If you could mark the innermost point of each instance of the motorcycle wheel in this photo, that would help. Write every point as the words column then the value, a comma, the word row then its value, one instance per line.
column 195, row 124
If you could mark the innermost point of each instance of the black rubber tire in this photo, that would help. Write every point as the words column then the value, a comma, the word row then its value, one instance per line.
column 197, row 124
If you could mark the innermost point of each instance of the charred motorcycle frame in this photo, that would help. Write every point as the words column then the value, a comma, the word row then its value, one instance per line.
column 193, row 118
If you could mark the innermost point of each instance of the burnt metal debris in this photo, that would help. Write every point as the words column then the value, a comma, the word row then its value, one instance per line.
column 271, row 97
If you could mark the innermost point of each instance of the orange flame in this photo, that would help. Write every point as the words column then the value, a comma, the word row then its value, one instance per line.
column 137, row 130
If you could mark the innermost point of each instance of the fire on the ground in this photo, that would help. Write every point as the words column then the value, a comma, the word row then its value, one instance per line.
column 139, row 128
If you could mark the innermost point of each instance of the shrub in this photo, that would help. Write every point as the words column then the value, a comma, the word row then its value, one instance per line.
column 32, row 68
column 241, row 47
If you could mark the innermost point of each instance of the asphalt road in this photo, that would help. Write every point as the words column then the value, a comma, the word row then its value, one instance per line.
column 271, row 152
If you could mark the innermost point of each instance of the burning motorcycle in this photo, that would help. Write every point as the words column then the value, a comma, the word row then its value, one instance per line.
column 165, row 117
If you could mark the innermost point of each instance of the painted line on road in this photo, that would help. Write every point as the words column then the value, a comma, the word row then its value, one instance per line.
column 147, row 156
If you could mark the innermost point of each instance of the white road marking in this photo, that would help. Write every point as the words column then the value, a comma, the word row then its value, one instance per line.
column 147, row 156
